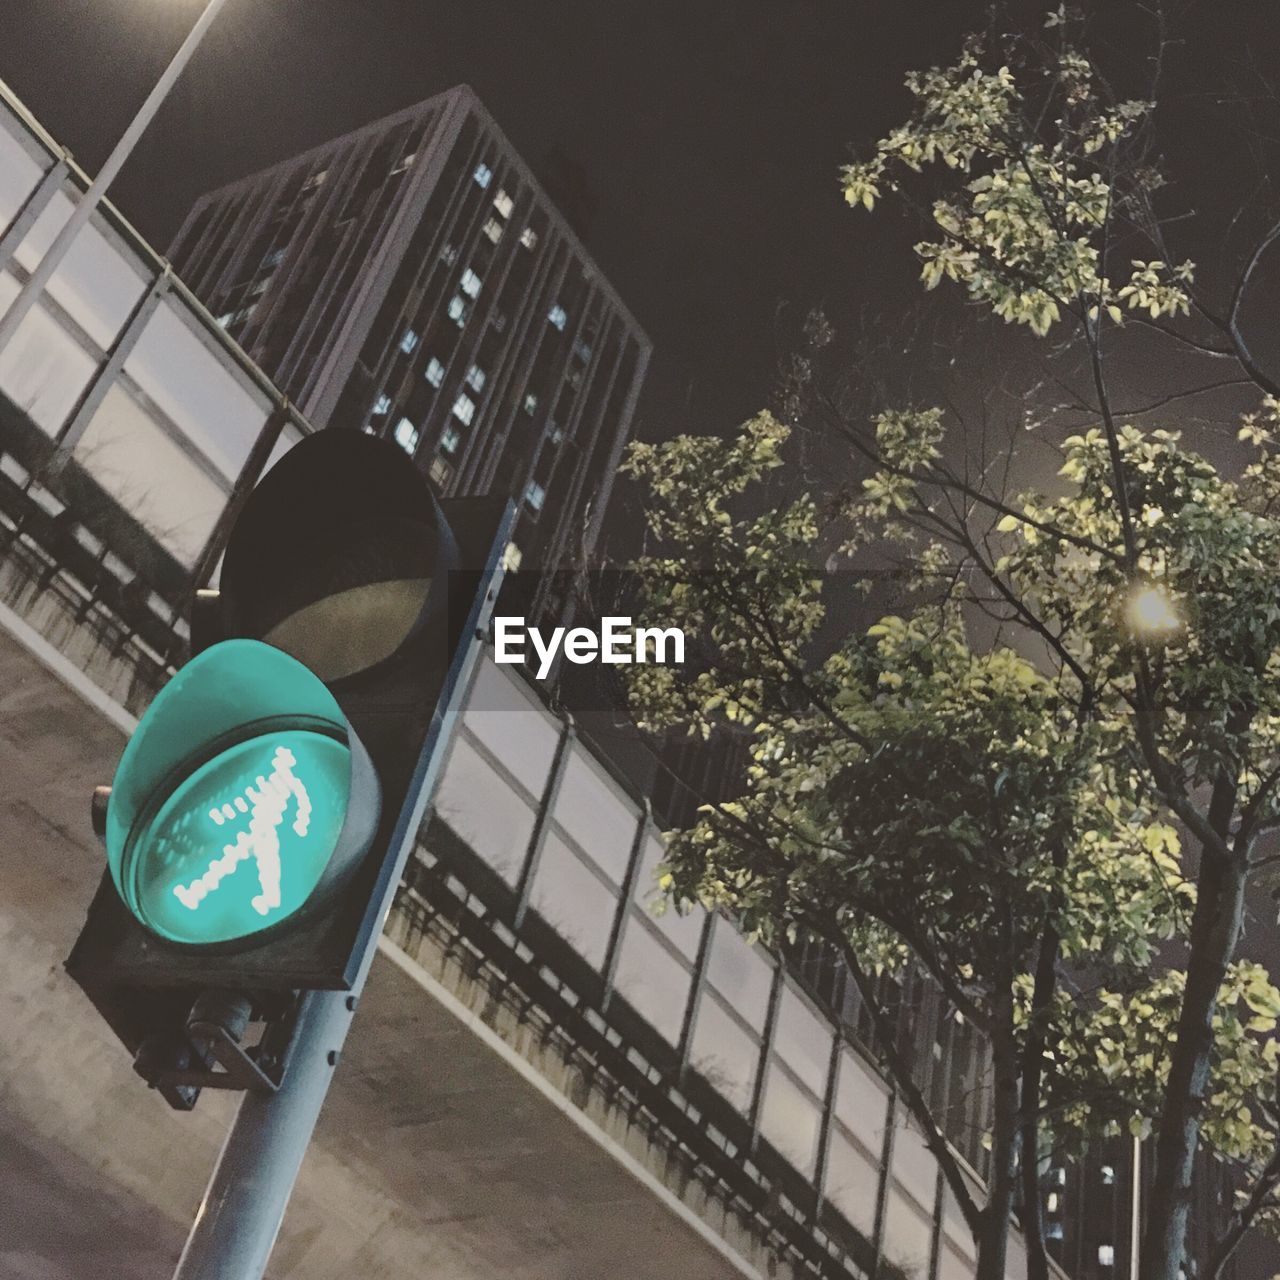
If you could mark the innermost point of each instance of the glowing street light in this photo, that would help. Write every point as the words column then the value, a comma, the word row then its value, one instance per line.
column 1152, row 613
column 83, row 209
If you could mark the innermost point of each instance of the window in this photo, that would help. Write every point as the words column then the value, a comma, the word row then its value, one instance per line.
column 409, row 341
column 272, row 260
column 449, row 440
column 582, row 350
column 406, row 435
column 493, row 229
column 449, row 255
column 1106, row 1255
column 511, row 557
column 226, row 318
column 316, row 180
column 440, row 471
column 557, row 316
column 1051, row 1202
column 504, row 204
column 470, row 283
column 475, row 378
column 381, row 405
column 464, row 408
column 483, row 175
column 435, row 372
column 535, row 495
column 529, row 238
column 531, row 403
column 554, row 434
column 404, row 162
column 457, row 310
column 1108, row 1175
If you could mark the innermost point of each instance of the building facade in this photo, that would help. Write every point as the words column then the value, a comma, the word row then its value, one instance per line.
column 412, row 279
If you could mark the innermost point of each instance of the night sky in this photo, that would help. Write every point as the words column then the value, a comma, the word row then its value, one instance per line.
column 706, row 134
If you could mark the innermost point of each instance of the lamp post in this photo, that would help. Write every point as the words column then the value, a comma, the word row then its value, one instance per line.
column 82, row 211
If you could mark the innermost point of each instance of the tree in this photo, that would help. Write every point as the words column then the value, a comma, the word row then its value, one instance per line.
column 997, row 787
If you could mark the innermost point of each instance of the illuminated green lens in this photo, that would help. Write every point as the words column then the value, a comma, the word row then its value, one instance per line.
column 242, row 842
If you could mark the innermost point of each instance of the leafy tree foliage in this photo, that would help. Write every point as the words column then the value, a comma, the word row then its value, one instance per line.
column 1006, row 805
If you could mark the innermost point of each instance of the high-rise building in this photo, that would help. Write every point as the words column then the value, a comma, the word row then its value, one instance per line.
column 412, row 279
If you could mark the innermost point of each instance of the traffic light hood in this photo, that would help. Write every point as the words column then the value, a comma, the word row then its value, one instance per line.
column 335, row 553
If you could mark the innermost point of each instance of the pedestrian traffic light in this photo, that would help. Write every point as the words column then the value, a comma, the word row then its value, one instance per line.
column 249, row 822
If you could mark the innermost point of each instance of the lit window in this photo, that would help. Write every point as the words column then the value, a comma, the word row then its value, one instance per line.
column 535, row 495
column 457, row 309
column 449, row 440
column 381, row 405
column 531, row 403
column 1051, row 1203
column 406, row 435
column 483, row 175
column 1061, row 1176
column 1053, row 1231
column 555, row 434
column 405, row 162
column 557, row 316
column 511, row 557
column 440, row 471
column 435, row 372
column 464, row 408
column 1106, row 1255
column 315, row 180
column 409, row 341
column 470, row 283
column 493, row 229
column 1108, row 1175
column 226, row 319
column 504, row 204
column 475, row 378
column 529, row 238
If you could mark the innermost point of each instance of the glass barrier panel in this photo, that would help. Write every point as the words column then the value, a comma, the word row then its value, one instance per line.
column 206, row 396
column 572, row 898
column 652, row 980
column 908, row 1234
column 44, row 369
column 956, row 1236
column 98, row 283
column 914, row 1166
column 20, row 172
column 483, row 811
column 150, row 474
column 803, row 1040
column 952, row 1265
column 723, row 1053
column 790, row 1118
column 684, row 932
column 853, row 1179
column 513, row 726
column 861, row 1100
column 741, row 973
column 1015, row 1265
column 594, row 814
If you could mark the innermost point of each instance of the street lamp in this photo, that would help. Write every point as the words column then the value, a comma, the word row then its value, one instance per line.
column 82, row 211
column 1151, row 612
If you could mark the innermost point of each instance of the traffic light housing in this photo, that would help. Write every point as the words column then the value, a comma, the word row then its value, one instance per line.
column 249, row 822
